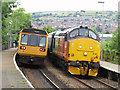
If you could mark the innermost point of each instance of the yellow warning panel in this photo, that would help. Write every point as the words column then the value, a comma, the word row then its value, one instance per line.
column 93, row 72
column 74, row 70
column 83, row 71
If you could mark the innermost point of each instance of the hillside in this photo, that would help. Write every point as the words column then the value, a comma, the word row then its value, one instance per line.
column 64, row 19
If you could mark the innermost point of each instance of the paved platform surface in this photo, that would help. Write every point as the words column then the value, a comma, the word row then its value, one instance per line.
column 11, row 77
column 110, row 66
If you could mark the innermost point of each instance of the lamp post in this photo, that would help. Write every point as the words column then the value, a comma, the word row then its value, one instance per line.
column 102, row 31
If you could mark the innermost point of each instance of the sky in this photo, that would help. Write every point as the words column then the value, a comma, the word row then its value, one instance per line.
column 67, row 5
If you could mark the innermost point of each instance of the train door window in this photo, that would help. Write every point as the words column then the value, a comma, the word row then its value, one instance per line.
column 24, row 39
column 33, row 40
column 92, row 35
column 83, row 32
column 74, row 33
column 42, row 40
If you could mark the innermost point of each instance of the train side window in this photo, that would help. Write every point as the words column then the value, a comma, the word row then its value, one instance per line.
column 92, row 35
column 74, row 33
column 24, row 39
column 42, row 40
column 33, row 40
column 84, row 32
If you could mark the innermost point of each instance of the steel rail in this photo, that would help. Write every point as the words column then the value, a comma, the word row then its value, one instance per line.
column 50, row 81
column 105, row 84
column 84, row 83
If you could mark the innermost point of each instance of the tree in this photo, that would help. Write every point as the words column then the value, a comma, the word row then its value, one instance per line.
column 114, row 43
column 6, row 10
column 112, row 47
column 23, row 19
column 49, row 29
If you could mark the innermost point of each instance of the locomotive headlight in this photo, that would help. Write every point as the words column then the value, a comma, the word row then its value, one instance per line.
column 80, row 46
column 85, row 53
column 90, row 47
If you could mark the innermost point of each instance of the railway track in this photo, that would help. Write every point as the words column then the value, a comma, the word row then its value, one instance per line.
column 90, row 87
column 50, row 81
column 107, row 86
column 40, row 79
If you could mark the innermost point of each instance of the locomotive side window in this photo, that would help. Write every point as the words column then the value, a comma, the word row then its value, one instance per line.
column 24, row 38
column 74, row 33
column 83, row 32
column 33, row 40
column 92, row 35
column 42, row 40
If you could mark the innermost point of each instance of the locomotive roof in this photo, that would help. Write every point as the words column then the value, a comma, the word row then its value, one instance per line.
column 68, row 30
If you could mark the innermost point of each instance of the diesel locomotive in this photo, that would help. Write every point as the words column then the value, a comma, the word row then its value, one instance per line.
column 32, row 46
column 76, row 49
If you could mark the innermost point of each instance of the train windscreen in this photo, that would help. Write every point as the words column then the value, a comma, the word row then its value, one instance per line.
column 24, row 38
column 42, row 40
column 33, row 40
column 84, row 32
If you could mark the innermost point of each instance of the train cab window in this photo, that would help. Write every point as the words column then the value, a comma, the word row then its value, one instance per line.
column 42, row 40
column 83, row 32
column 74, row 33
column 92, row 35
column 24, row 38
column 33, row 40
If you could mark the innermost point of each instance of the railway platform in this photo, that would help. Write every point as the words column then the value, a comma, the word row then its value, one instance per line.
column 110, row 66
column 11, row 77
column 110, row 71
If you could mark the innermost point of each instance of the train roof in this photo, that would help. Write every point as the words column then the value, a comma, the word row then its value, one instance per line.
column 33, row 30
column 68, row 30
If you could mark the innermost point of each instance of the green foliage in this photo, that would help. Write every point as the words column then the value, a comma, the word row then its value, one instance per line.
column 6, row 10
column 49, row 29
column 9, row 19
column 112, row 48
column 23, row 19
column 114, row 41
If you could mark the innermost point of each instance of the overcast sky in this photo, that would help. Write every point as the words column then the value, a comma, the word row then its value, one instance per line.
column 67, row 5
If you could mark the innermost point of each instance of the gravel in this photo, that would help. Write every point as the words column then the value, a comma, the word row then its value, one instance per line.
column 63, row 76
column 67, row 79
